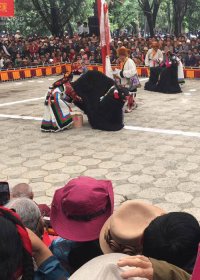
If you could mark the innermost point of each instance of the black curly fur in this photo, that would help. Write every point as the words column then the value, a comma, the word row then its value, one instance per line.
column 164, row 80
column 105, row 114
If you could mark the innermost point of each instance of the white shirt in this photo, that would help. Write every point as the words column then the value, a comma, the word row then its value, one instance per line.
column 129, row 70
column 153, row 61
column 80, row 29
column 85, row 29
column 1, row 63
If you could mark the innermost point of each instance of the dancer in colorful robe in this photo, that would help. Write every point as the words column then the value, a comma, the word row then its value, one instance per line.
column 57, row 112
column 95, row 94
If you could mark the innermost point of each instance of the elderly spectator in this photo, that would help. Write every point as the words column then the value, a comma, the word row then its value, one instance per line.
column 25, row 190
column 29, row 213
column 22, row 190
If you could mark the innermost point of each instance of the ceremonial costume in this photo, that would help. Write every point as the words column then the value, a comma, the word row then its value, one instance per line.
column 102, row 100
column 57, row 112
column 181, row 78
column 164, row 78
column 127, row 76
column 128, row 70
column 153, row 58
column 94, row 93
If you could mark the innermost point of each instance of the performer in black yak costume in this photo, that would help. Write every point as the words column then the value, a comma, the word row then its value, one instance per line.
column 102, row 100
column 164, row 79
column 99, row 98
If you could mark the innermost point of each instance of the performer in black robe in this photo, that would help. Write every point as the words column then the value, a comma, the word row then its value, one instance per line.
column 164, row 78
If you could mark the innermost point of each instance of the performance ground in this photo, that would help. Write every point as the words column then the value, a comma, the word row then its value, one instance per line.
column 156, row 157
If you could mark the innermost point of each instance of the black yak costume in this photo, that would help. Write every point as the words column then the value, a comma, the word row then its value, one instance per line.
column 98, row 97
column 102, row 100
column 164, row 79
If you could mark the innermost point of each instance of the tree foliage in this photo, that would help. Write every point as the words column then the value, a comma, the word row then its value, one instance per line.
column 192, row 18
column 150, row 9
column 26, row 19
column 45, row 17
column 180, row 8
column 57, row 13
column 123, row 14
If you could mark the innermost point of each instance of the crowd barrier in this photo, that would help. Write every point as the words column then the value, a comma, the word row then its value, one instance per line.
column 43, row 71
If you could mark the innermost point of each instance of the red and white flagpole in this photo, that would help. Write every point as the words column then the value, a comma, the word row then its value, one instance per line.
column 105, row 37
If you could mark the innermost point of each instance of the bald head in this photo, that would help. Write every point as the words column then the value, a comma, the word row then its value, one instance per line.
column 22, row 190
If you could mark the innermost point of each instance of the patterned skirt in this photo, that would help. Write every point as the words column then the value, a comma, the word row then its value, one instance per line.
column 57, row 114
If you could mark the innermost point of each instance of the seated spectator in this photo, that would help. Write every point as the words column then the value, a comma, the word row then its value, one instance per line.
column 29, row 213
column 123, row 231
column 78, row 213
column 17, row 246
column 83, row 56
column 2, row 61
column 92, row 58
column 190, row 59
column 25, row 190
column 33, row 51
column 65, row 58
column 21, row 190
column 174, row 238
column 18, row 60
column 72, row 55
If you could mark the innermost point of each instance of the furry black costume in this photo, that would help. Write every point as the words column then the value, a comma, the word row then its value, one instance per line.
column 102, row 100
column 164, row 79
column 98, row 97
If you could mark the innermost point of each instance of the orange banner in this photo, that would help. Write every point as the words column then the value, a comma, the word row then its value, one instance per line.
column 6, row 8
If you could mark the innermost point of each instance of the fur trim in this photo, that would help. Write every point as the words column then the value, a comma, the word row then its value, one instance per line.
column 122, row 51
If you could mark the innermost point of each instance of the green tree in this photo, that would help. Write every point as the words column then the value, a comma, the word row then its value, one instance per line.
column 26, row 20
column 56, row 14
column 180, row 8
column 192, row 18
column 123, row 15
column 150, row 9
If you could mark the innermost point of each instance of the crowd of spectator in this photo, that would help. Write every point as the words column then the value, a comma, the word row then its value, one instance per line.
column 76, row 235
column 37, row 50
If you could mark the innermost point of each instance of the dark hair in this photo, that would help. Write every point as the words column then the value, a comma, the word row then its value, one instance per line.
column 173, row 237
column 83, row 253
column 13, row 256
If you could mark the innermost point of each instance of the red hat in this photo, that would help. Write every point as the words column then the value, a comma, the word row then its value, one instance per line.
column 80, row 208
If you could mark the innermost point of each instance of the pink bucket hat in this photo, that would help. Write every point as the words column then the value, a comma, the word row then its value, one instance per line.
column 81, row 207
